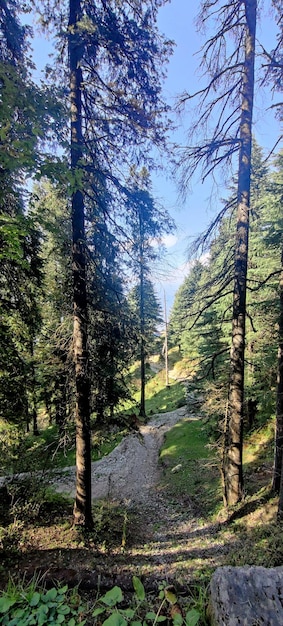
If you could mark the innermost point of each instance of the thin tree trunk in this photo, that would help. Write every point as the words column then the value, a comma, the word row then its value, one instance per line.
column 33, row 392
column 166, row 344
column 233, row 471
column 111, row 385
column 142, row 313
column 142, row 346
column 82, row 507
column 277, row 470
column 280, row 503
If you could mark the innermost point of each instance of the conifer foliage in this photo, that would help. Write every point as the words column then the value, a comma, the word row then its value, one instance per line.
column 225, row 116
column 81, row 233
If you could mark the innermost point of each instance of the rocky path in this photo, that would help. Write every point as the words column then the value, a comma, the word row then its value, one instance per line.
column 128, row 474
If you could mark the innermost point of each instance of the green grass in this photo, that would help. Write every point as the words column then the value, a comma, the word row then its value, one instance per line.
column 186, row 445
column 158, row 397
column 51, row 450
column 104, row 442
column 259, row 446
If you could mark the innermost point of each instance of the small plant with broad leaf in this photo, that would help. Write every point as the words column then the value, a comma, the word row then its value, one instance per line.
column 25, row 606
column 107, row 611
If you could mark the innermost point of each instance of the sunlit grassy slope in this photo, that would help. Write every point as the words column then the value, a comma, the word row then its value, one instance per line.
column 188, row 448
column 191, row 466
column 159, row 398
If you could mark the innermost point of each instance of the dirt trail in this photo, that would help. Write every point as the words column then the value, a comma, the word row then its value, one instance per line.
column 168, row 540
column 164, row 537
column 129, row 472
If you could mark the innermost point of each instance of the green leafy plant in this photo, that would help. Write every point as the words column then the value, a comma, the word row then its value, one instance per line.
column 142, row 611
column 25, row 606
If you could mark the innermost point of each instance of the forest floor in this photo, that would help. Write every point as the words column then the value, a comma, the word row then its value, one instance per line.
column 140, row 527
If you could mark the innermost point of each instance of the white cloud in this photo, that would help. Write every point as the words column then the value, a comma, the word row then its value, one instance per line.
column 169, row 240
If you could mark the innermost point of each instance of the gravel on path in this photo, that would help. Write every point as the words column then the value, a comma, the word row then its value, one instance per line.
column 131, row 470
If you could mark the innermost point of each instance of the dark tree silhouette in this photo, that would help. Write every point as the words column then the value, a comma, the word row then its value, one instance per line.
column 82, row 507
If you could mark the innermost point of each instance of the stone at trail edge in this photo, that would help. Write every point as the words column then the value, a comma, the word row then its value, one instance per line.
column 176, row 469
column 246, row 596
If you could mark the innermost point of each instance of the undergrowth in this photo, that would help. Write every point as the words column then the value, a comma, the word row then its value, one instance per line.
column 51, row 449
column 22, row 605
column 30, row 604
column 159, row 399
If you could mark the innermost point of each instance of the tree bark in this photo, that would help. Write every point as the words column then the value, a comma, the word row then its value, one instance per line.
column 33, row 392
column 82, row 506
column 142, row 347
column 142, row 313
column 277, row 470
column 233, row 438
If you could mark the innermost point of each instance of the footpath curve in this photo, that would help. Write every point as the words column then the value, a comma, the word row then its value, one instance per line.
column 130, row 471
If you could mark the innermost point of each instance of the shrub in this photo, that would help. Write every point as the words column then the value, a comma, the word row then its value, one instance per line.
column 24, row 606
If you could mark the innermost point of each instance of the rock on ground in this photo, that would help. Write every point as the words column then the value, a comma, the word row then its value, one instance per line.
column 246, row 596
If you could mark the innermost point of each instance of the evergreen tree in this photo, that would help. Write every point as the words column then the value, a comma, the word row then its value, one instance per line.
column 226, row 108
column 82, row 507
column 184, row 313
column 54, row 341
column 111, row 331
column 146, row 223
column 206, row 315
column 147, row 311
column 115, row 61
column 271, row 238
column 25, row 120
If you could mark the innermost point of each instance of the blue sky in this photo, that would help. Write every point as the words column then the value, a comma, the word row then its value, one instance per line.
column 177, row 22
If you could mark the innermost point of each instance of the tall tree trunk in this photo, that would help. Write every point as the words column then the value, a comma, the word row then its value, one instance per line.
column 277, row 470
column 142, row 346
column 233, row 439
column 33, row 392
column 82, row 507
column 166, row 343
column 142, row 313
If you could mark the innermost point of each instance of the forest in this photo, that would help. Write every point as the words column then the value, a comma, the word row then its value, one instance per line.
column 88, row 358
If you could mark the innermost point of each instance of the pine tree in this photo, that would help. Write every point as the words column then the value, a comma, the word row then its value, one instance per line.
column 146, row 222
column 116, row 59
column 111, row 333
column 54, row 366
column 82, row 507
column 24, row 119
column 226, row 108
column 146, row 309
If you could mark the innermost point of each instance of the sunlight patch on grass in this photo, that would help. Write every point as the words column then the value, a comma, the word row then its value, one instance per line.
column 197, row 477
column 170, row 451
column 259, row 442
column 159, row 398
